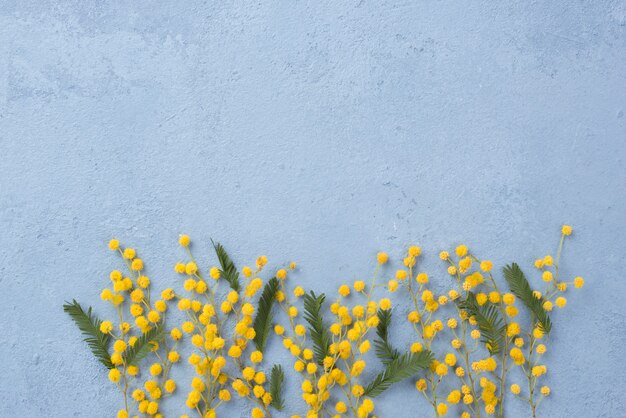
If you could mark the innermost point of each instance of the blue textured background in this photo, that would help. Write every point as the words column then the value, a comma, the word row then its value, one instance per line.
column 312, row 131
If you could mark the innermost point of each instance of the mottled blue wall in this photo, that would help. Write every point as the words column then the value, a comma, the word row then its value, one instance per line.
column 314, row 131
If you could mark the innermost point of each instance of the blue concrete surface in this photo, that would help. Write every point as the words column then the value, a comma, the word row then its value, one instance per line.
column 316, row 131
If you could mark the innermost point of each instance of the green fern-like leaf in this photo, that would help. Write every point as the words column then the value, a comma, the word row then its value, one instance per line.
column 403, row 367
column 521, row 288
column 228, row 270
column 263, row 320
column 317, row 329
column 143, row 345
column 490, row 322
column 276, row 387
column 384, row 350
column 89, row 325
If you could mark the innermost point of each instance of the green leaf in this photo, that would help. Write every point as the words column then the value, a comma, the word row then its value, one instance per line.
column 142, row 347
column 263, row 320
column 403, row 367
column 228, row 271
column 384, row 350
column 276, row 387
column 489, row 320
column 89, row 325
column 317, row 329
column 521, row 288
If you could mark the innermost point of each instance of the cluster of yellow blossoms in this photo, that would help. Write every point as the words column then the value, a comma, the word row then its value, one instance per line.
column 221, row 333
column 467, row 338
column 145, row 329
column 486, row 340
column 335, row 365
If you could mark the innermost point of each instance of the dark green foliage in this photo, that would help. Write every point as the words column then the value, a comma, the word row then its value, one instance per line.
column 403, row 367
column 384, row 350
column 317, row 329
column 142, row 347
column 263, row 320
column 276, row 387
column 89, row 325
column 521, row 288
column 228, row 270
column 490, row 322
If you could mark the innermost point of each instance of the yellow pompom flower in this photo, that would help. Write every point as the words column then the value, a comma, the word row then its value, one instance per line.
column 114, row 375
column 442, row 409
column 224, row 395
column 461, row 251
column 441, row 369
column 454, row 397
column 300, row 330
column 170, row 386
column 548, row 260
column 106, row 327
column 382, row 258
column 545, row 390
column 156, row 369
column 486, row 265
column 566, row 230
column 560, row 302
column 579, row 282
column 114, row 245
column 256, row 357
column 129, row 253
column 385, row 304
column 421, row 278
column 421, row 385
column 137, row 264
column 341, row 407
column 444, row 255
column 191, row 268
column 234, row 351
column 515, row 389
column 119, row 346
column 508, row 298
column 184, row 240
column 215, row 273
column 344, row 290
column 547, row 276
column 281, row 274
column 248, row 309
column 511, row 311
column 359, row 285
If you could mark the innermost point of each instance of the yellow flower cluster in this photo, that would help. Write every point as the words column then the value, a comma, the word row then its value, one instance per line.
column 221, row 330
column 483, row 321
column 467, row 337
column 140, row 321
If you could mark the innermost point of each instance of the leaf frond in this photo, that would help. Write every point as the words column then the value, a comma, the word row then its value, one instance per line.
column 521, row 288
column 383, row 348
column 276, row 387
column 403, row 367
column 317, row 329
column 489, row 320
column 228, row 270
column 143, row 345
column 89, row 325
column 263, row 320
